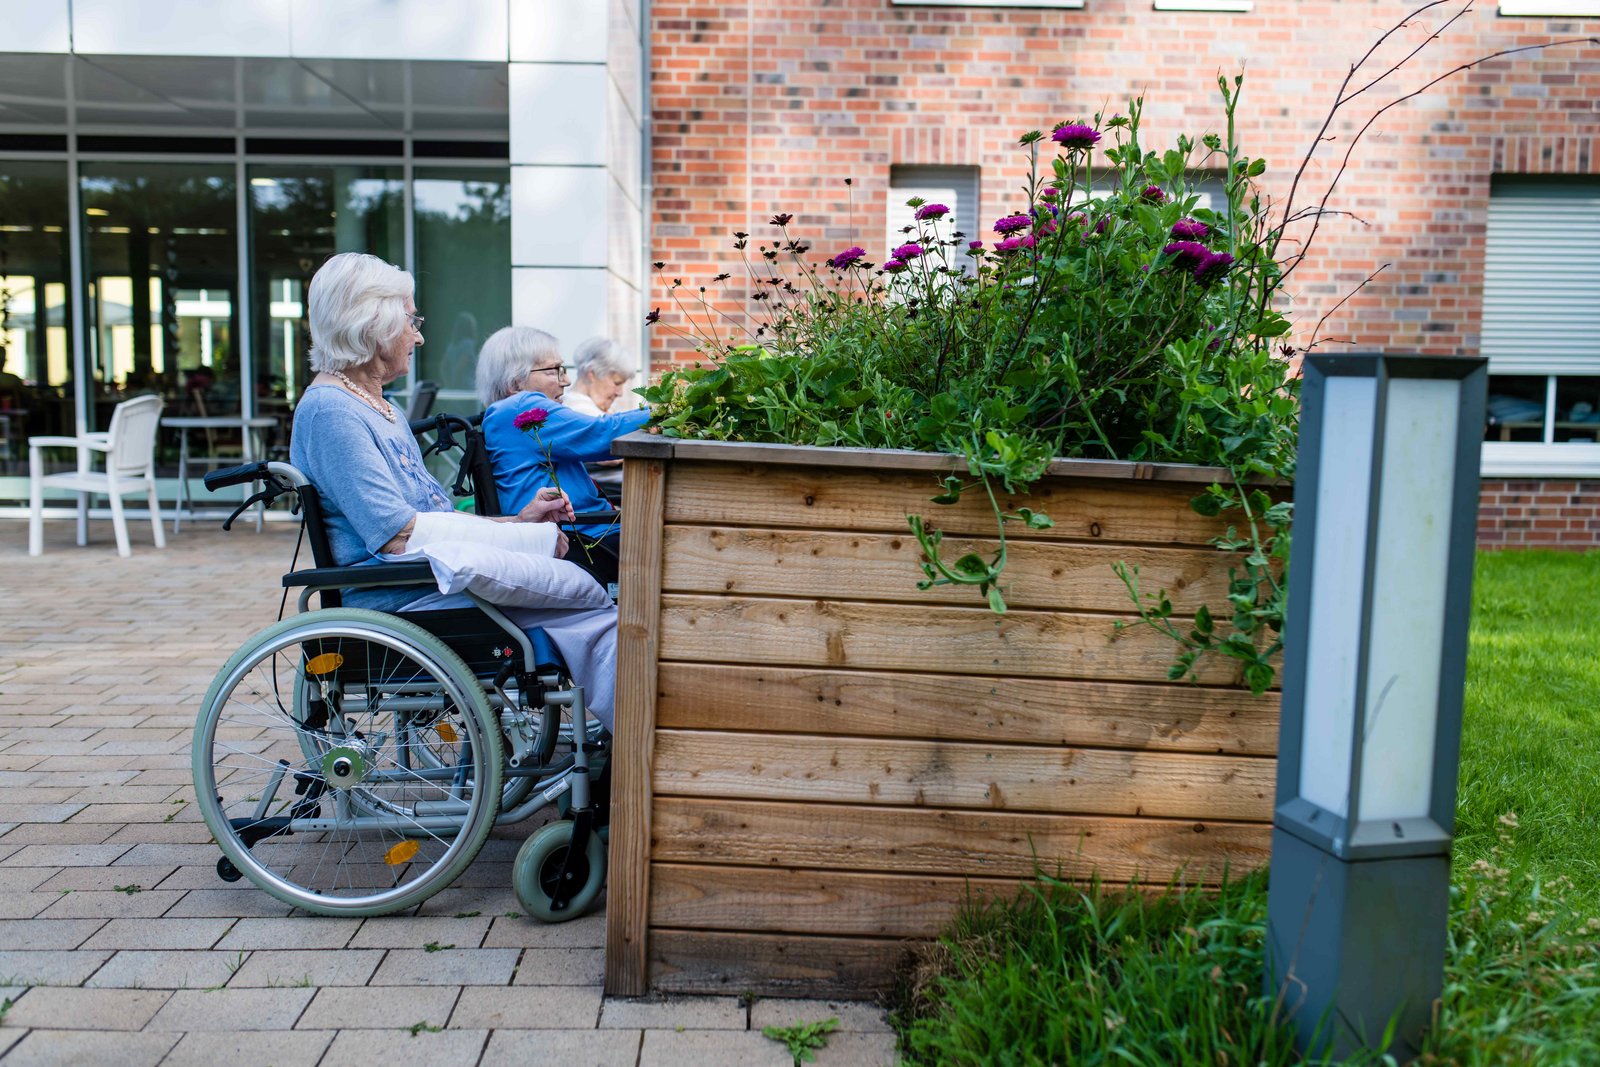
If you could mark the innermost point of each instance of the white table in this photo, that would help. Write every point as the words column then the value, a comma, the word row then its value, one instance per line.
column 252, row 432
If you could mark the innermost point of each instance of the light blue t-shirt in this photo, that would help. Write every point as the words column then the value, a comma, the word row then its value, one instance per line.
column 370, row 477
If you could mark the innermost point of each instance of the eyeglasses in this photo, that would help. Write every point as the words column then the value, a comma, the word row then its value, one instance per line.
column 416, row 322
column 559, row 370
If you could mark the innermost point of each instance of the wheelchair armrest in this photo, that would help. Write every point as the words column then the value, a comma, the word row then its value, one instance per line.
column 415, row 573
column 587, row 517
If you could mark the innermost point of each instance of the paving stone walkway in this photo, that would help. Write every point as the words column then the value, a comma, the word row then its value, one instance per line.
column 120, row 945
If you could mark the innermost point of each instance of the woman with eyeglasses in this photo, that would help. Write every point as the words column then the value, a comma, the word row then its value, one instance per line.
column 520, row 370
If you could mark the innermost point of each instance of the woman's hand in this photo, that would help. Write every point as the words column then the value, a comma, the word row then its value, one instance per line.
column 548, row 505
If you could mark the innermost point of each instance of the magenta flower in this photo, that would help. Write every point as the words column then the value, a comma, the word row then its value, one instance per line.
column 1186, row 255
column 528, row 419
column 1049, row 192
column 1012, row 244
column 892, row 266
column 908, row 251
column 974, row 246
column 1190, row 230
column 931, row 211
column 1211, row 268
column 1012, row 223
column 847, row 257
column 1075, row 135
column 1153, row 194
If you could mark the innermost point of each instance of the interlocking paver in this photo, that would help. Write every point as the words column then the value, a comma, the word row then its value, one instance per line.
column 25, row 905
column 48, row 966
column 223, row 903
column 160, row 933
column 853, row 1016
column 404, row 931
column 376, row 1008
column 47, row 933
column 111, row 904
column 315, row 967
column 561, row 966
column 711, row 1048
column 674, row 1013
column 562, row 1048
column 858, row 1050
column 544, row 1007
column 316, row 932
column 165, row 969
column 65, row 855
column 81, row 878
column 65, row 1008
column 283, row 1048
column 232, row 1009
column 587, row 932
column 447, row 966
column 53, row 1048
column 57, row 834
column 451, row 1048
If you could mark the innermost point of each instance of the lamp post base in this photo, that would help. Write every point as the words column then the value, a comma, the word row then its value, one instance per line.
column 1355, row 946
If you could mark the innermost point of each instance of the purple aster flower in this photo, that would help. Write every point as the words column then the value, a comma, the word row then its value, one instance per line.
column 892, row 266
column 847, row 257
column 1211, row 268
column 1049, row 192
column 1190, row 230
column 1007, row 246
column 931, row 211
column 1012, row 223
column 1186, row 255
column 1153, row 194
column 1075, row 135
column 975, row 246
column 908, row 251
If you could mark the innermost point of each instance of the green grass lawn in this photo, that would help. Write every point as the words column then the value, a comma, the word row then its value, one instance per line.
column 1074, row 977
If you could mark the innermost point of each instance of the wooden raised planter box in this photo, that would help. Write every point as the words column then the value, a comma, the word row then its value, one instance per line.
column 815, row 761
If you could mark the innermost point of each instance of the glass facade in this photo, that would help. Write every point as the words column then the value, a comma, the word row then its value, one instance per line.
column 161, row 300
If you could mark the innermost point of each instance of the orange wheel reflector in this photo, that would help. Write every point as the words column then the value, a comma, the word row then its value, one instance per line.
column 446, row 732
column 401, row 853
column 328, row 661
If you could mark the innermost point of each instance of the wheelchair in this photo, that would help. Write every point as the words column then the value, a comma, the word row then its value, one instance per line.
column 353, row 762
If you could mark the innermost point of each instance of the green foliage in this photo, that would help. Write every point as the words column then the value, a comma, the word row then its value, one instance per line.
column 803, row 1038
column 424, row 1027
column 1086, row 333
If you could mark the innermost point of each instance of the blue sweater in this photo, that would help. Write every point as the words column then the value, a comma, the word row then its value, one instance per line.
column 522, row 466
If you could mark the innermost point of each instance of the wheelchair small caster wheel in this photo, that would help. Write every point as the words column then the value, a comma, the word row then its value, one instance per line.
column 537, row 873
column 227, row 871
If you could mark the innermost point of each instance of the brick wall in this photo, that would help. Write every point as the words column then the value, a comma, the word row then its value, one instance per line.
column 767, row 105
column 1538, row 513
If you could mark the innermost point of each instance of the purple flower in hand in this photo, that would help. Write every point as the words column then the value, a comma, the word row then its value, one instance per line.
column 909, row 251
column 1212, row 267
column 931, row 211
column 1074, row 135
column 847, row 257
column 1012, row 223
column 1186, row 255
column 528, row 419
column 1190, row 230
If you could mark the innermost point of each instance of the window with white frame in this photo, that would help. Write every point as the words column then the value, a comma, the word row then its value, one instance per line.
column 1551, row 8
column 1541, row 326
column 954, row 187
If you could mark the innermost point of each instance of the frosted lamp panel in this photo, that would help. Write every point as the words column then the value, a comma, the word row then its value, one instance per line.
column 1333, row 640
column 1413, row 556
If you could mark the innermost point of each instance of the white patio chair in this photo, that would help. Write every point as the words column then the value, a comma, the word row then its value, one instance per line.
column 130, row 447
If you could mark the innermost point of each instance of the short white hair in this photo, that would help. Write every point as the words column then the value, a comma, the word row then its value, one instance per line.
column 507, row 357
column 598, row 357
column 356, row 304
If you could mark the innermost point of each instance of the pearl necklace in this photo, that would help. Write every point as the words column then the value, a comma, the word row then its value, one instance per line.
column 382, row 407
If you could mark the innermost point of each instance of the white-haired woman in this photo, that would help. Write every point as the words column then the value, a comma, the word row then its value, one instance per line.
column 519, row 370
column 600, row 370
column 376, row 494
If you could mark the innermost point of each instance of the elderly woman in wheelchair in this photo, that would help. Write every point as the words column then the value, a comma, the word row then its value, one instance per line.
column 352, row 760
column 520, row 374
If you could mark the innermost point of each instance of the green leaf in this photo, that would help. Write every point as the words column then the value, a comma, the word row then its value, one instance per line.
column 1202, row 620
column 971, row 564
column 1206, row 504
column 1259, row 677
column 997, row 603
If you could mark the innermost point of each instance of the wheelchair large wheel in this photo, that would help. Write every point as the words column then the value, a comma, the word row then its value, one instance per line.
column 309, row 763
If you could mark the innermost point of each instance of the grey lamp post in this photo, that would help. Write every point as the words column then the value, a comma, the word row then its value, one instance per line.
column 1386, row 498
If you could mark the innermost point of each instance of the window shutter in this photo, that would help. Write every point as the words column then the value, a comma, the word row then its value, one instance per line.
column 1541, row 278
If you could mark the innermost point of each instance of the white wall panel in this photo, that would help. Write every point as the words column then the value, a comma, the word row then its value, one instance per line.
column 558, row 113
column 400, row 29
column 569, row 302
column 559, row 216
column 181, row 28
column 624, row 144
column 558, row 31
column 35, row 26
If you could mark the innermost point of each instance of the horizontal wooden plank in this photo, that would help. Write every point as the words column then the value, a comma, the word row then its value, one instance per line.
column 878, row 566
column 643, row 444
column 695, row 961
column 1174, row 718
column 813, row 902
column 962, row 774
column 833, row 633
column 912, row 841
column 723, row 494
